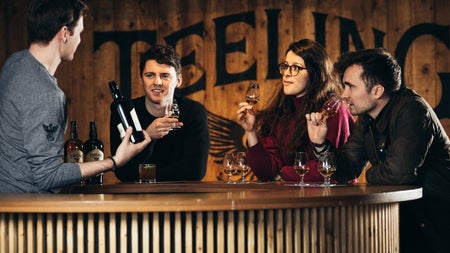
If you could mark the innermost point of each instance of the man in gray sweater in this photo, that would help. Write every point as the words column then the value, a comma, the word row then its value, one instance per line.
column 33, row 108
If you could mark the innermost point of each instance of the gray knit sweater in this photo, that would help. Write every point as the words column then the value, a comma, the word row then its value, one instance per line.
column 32, row 124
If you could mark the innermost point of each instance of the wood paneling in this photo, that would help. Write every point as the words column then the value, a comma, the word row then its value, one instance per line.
column 84, row 80
column 220, row 231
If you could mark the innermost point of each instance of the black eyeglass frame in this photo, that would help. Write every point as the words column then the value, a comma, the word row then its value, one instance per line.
column 293, row 69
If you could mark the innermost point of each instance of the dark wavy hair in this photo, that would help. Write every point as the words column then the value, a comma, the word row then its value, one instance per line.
column 281, row 110
column 46, row 17
column 162, row 54
column 379, row 67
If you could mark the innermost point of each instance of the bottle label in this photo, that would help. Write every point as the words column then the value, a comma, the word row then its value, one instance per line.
column 75, row 156
column 94, row 155
column 135, row 118
column 121, row 130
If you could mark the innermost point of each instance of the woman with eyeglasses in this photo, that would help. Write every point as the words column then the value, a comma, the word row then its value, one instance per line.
column 276, row 133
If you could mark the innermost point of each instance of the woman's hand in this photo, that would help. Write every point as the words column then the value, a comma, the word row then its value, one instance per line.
column 317, row 127
column 247, row 119
column 246, row 116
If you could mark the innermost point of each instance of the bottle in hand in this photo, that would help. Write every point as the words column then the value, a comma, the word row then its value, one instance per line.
column 73, row 148
column 128, row 117
column 93, row 151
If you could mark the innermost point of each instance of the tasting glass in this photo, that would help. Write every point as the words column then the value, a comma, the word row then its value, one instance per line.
column 242, row 166
column 229, row 166
column 326, row 167
column 252, row 94
column 331, row 106
column 172, row 110
column 300, row 167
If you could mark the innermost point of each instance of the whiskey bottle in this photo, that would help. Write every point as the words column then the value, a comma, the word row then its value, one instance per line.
column 93, row 151
column 128, row 117
column 73, row 148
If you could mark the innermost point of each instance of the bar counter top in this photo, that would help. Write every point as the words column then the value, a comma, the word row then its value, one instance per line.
column 202, row 196
column 205, row 217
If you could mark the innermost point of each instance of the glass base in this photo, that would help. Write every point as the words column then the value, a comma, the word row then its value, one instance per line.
column 150, row 181
column 327, row 185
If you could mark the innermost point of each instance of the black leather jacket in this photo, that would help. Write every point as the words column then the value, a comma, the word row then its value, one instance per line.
column 405, row 144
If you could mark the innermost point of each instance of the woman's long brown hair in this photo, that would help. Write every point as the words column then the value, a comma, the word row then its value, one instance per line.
column 275, row 118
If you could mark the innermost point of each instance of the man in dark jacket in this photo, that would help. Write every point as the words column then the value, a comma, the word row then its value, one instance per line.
column 402, row 138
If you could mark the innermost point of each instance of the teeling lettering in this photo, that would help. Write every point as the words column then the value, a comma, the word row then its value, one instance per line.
column 348, row 29
column 124, row 40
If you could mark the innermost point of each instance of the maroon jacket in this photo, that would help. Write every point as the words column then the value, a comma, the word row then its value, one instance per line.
column 268, row 158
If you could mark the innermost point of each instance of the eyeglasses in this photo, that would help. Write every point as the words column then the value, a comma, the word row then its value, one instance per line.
column 293, row 69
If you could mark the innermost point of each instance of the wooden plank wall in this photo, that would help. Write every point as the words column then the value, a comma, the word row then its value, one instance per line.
column 84, row 80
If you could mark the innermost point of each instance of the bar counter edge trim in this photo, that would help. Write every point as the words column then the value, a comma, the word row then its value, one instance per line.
column 116, row 203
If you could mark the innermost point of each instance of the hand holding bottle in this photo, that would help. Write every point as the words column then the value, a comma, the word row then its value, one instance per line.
column 124, row 108
column 127, row 150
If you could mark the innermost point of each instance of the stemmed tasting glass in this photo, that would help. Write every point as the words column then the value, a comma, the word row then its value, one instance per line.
column 327, row 167
column 252, row 94
column 300, row 167
column 229, row 166
column 331, row 106
column 172, row 110
column 242, row 165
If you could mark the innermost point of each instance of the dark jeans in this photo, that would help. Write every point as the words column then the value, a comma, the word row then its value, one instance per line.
column 424, row 227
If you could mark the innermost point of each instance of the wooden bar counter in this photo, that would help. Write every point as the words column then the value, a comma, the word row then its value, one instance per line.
column 205, row 217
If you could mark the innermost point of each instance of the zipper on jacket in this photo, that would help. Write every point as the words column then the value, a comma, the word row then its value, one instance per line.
column 374, row 146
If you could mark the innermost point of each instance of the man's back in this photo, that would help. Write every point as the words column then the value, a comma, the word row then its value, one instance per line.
column 32, row 109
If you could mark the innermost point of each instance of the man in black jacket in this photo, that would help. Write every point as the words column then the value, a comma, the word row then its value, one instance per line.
column 402, row 138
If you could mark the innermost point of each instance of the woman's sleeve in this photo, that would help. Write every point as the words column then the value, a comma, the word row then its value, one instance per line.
column 263, row 158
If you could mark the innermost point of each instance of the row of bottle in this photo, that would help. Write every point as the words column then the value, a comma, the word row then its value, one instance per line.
column 75, row 151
